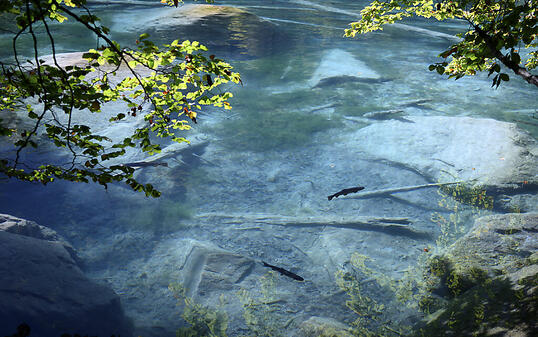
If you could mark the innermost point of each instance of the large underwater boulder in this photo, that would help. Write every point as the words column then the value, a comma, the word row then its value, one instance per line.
column 225, row 30
column 192, row 13
column 43, row 286
column 488, row 280
column 486, row 152
column 205, row 272
column 99, row 122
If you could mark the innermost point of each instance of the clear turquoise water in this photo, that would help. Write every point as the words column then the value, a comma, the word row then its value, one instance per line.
column 270, row 126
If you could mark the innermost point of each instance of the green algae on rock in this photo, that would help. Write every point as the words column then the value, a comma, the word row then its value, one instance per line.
column 487, row 280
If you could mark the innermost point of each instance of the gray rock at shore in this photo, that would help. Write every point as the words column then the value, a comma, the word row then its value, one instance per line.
column 11, row 224
column 43, row 286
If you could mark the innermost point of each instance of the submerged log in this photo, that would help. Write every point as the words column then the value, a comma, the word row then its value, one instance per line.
column 398, row 226
column 389, row 225
column 309, row 221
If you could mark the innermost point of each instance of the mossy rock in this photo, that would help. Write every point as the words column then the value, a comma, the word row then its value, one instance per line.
column 500, row 306
column 486, row 283
column 498, row 244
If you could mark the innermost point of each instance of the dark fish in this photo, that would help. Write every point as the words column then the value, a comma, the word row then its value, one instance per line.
column 283, row 271
column 386, row 115
column 346, row 191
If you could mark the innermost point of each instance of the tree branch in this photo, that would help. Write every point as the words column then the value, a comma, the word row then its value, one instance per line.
column 518, row 70
column 65, row 81
column 113, row 46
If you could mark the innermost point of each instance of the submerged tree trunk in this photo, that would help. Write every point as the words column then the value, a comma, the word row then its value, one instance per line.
column 389, row 225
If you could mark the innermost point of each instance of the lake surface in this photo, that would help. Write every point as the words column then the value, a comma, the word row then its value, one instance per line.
column 277, row 153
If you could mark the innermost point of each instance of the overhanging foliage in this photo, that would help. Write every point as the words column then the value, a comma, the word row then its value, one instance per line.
column 500, row 32
column 176, row 80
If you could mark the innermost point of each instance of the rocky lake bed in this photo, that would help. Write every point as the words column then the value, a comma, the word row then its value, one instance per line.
column 252, row 186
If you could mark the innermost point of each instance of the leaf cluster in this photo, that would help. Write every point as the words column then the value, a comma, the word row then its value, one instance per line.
column 499, row 33
column 175, row 80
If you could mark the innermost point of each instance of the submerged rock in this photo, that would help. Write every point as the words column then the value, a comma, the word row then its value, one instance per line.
column 205, row 271
column 43, row 286
column 192, row 13
column 99, row 122
column 486, row 152
column 338, row 66
column 525, row 202
column 497, row 244
column 209, row 269
column 227, row 31
column 337, row 81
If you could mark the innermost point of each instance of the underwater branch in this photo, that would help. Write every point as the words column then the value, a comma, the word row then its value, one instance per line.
column 387, row 191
